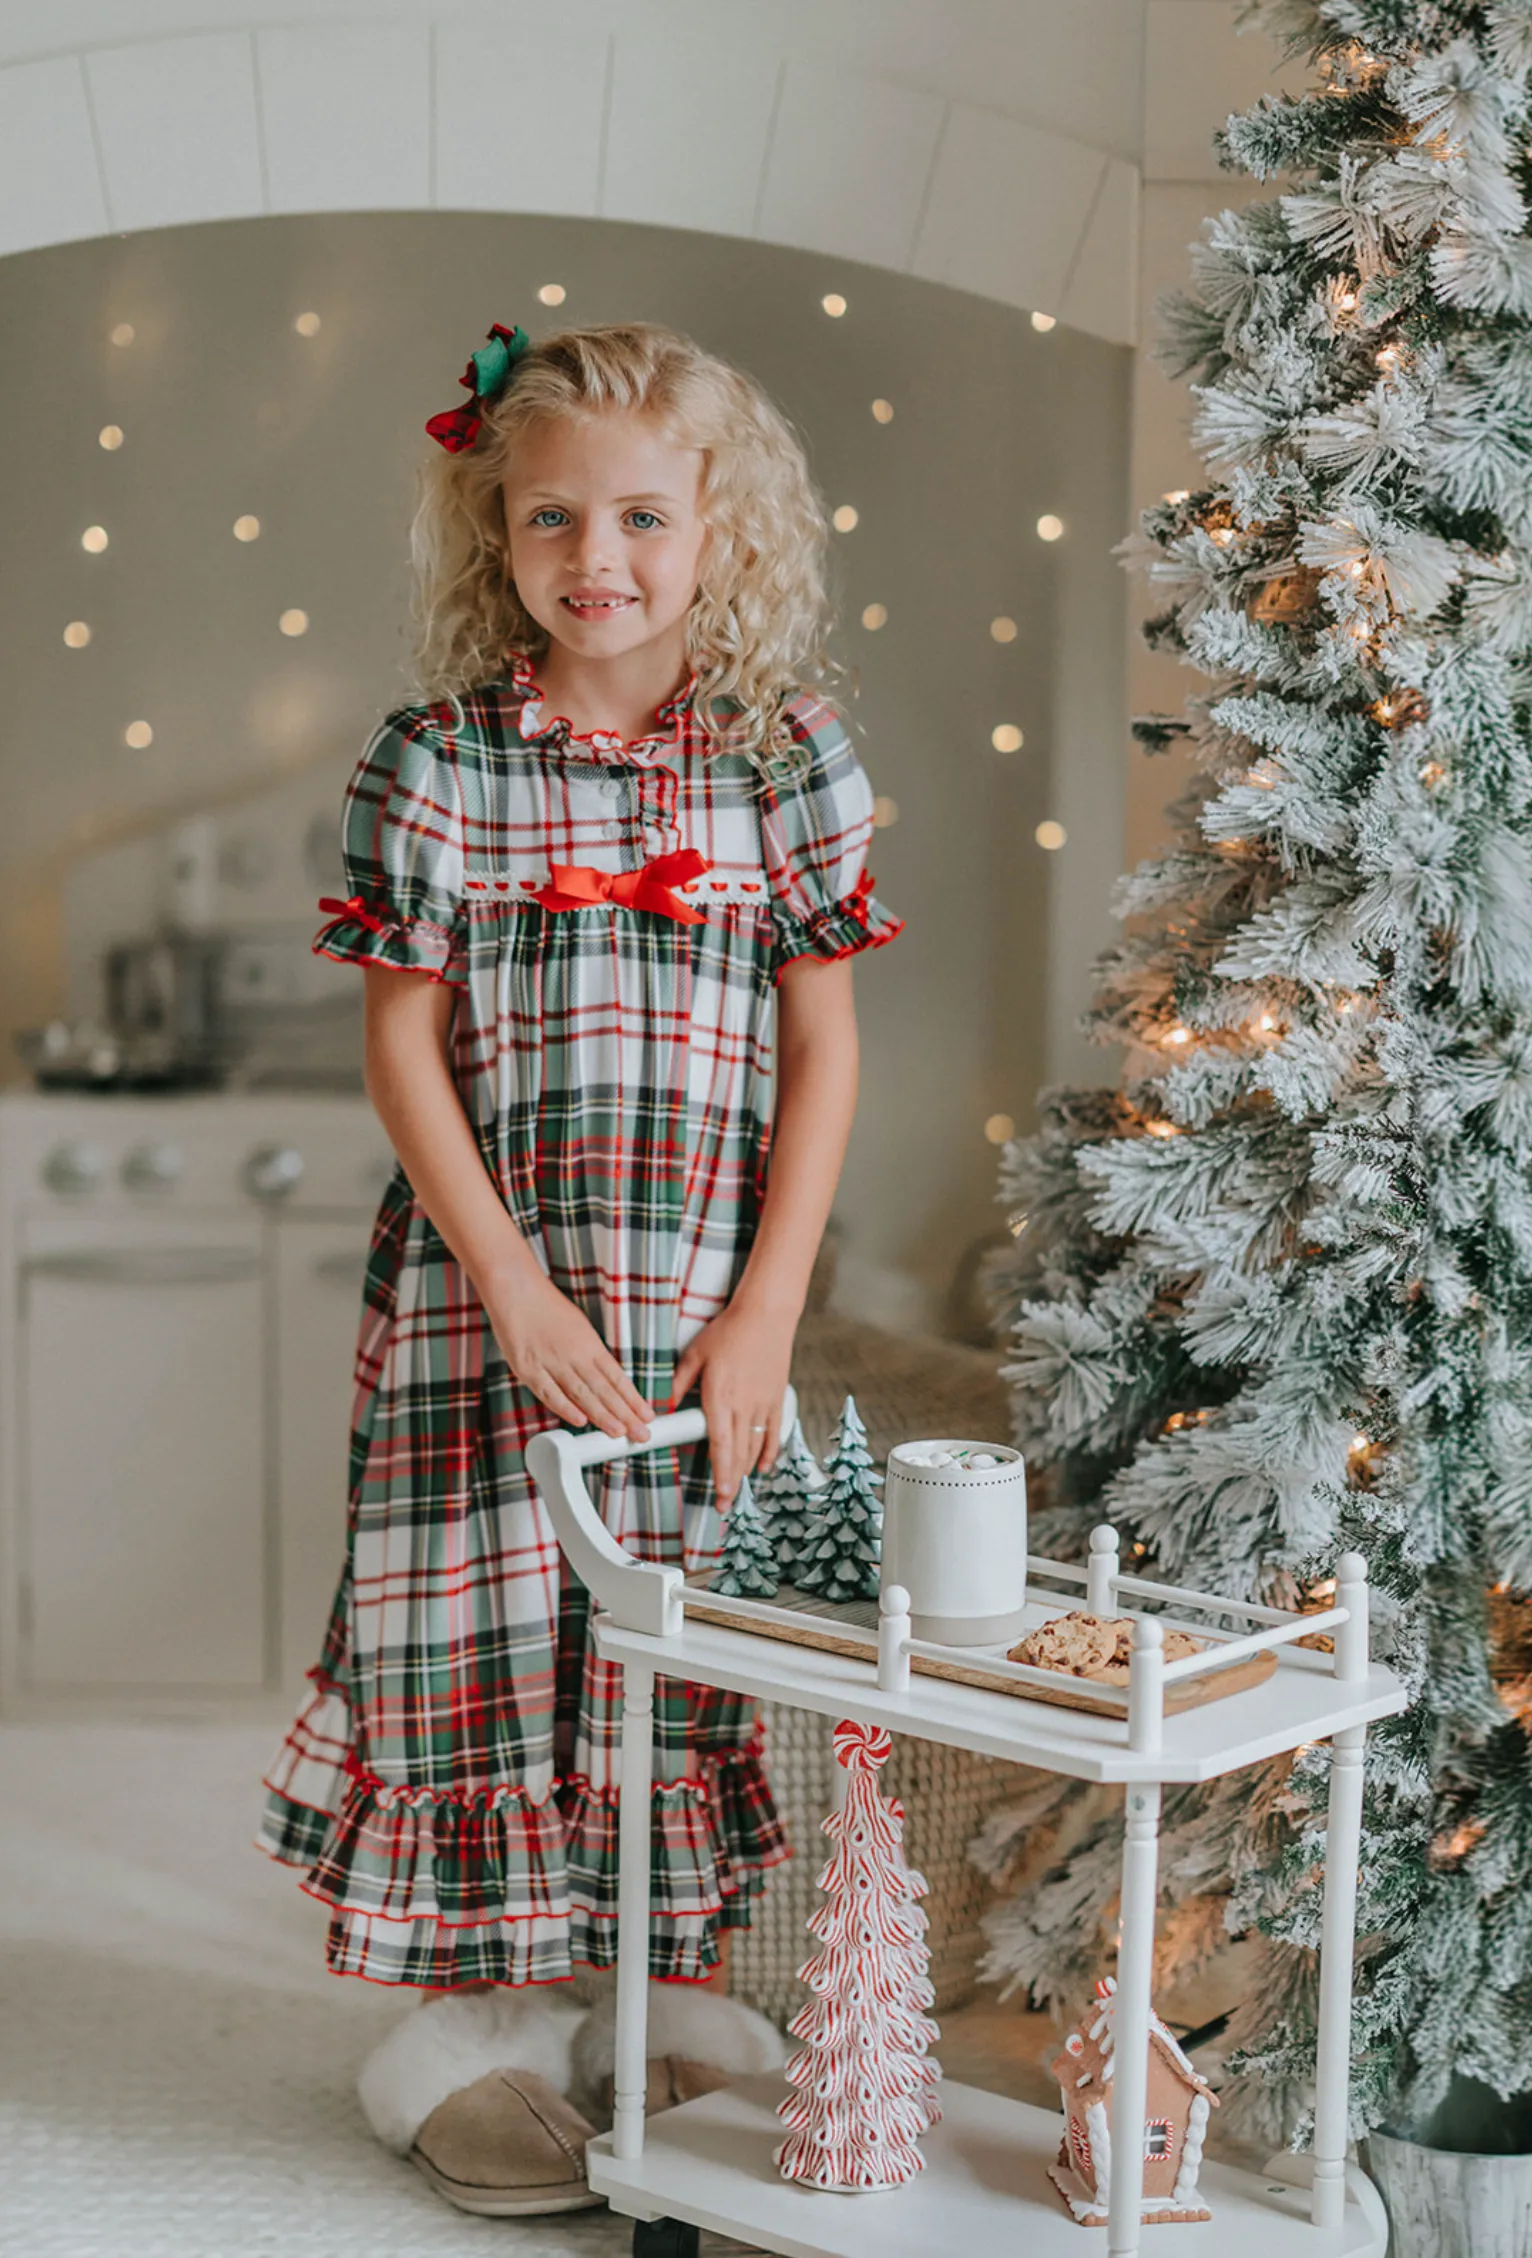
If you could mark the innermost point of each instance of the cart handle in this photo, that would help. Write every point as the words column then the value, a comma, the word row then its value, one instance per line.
column 638, row 1595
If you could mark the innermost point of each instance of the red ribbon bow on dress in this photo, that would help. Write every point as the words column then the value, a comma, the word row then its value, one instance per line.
column 575, row 885
column 354, row 907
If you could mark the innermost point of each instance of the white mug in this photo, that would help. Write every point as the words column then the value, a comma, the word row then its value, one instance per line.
column 955, row 1536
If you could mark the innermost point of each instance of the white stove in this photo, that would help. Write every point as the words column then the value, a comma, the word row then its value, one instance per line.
column 181, row 1292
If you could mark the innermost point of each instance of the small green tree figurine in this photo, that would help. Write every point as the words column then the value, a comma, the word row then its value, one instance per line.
column 790, row 1495
column 841, row 1554
column 748, row 1569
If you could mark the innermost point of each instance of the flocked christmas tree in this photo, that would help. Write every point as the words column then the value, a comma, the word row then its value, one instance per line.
column 844, row 1545
column 1273, row 1298
column 789, row 1495
column 747, row 1567
column 863, row 2082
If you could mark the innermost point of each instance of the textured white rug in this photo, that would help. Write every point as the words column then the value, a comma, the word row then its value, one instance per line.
column 177, row 2068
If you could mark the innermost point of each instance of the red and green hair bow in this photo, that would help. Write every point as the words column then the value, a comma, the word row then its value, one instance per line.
column 488, row 373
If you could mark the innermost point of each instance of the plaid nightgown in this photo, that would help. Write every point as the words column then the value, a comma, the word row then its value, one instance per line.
column 450, row 1787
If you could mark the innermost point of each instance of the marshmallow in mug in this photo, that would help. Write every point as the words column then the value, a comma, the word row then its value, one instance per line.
column 914, row 1455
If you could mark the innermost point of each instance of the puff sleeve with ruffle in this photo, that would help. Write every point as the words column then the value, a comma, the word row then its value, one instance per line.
column 402, row 838
column 815, row 830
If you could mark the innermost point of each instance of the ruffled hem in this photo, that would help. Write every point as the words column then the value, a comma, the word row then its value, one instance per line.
column 841, row 929
column 403, row 944
column 541, row 1950
column 493, row 1881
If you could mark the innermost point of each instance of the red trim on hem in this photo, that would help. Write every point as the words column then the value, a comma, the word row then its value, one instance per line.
column 527, row 1983
column 405, row 1983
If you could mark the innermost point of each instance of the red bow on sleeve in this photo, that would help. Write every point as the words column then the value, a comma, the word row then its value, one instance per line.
column 576, row 885
column 356, row 909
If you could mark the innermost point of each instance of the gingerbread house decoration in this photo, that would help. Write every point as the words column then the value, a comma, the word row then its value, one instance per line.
column 1179, row 2100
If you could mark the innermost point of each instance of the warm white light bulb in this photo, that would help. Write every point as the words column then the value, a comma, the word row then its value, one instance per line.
column 1044, row 322
column 845, row 519
column 1003, row 629
column 77, row 634
column 138, row 734
column 553, row 294
column 123, row 333
column 1050, row 835
column 999, row 1128
column 294, row 622
column 307, row 325
column 110, row 436
column 884, row 812
column 247, row 529
column 834, row 304
column 1049, row 527
column 875, row 616
column 94, row 539
column 883, row 410
column 1006, row 737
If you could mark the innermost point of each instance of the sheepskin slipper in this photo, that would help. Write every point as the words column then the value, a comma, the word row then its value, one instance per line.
column 708, row 2036
column 446, row 2044
column 506, row 2146
column 670, row 2080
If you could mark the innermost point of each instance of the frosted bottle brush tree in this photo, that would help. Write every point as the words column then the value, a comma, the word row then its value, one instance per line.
column 1272, row 1298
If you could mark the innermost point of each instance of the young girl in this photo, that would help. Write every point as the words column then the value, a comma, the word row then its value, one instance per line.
column 619, row 841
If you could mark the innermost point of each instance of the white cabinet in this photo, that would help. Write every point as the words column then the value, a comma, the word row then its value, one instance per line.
column 143, row 1454
column 319, row 1297
column 180, row 1285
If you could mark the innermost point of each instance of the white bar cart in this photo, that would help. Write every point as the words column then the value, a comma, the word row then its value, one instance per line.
column 985, row 2190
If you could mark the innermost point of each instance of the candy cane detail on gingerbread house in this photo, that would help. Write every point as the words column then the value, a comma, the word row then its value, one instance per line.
column 864, row 2082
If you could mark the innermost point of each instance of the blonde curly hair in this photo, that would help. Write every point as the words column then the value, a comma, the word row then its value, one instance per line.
column 756, row 631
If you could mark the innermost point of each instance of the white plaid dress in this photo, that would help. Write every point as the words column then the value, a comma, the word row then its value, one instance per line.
column 450, row 1787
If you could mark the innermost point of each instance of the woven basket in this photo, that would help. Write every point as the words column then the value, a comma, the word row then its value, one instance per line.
column 904, row 1387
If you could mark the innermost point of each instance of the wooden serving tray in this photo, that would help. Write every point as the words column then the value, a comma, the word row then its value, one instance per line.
column 850, row 1627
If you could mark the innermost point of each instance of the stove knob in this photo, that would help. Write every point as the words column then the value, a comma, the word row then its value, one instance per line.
column 73, row 1168
column 153, row 1168
column 272, row 1172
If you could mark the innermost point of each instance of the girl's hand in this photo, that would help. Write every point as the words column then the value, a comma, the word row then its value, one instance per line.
column 552, row 1348
column 742, row 1357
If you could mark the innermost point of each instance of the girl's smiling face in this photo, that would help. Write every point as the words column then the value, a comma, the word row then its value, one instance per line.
column 606, row 536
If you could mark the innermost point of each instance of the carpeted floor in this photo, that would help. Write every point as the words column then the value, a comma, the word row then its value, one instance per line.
column 177, row 2068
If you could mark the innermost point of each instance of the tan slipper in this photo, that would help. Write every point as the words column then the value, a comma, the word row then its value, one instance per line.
column 507, row 2144
column 672, row 2079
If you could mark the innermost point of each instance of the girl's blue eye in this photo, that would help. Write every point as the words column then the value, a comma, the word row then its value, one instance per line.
column 538, row 516
column 649, row 515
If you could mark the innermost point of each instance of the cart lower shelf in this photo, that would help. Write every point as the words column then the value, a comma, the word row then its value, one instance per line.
column 985, row 2191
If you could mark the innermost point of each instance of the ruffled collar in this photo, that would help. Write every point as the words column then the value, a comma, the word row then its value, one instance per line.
column 536, row 726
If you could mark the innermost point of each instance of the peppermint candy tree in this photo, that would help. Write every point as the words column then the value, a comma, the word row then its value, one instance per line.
column 748, row 1567
column 790, row 1495
column 863, row 2081
column 844, row 1546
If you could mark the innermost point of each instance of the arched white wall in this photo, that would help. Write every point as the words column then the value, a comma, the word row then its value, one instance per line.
column 988, row 144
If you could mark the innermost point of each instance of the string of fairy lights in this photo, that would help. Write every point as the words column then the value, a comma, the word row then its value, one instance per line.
column 1005, row 737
